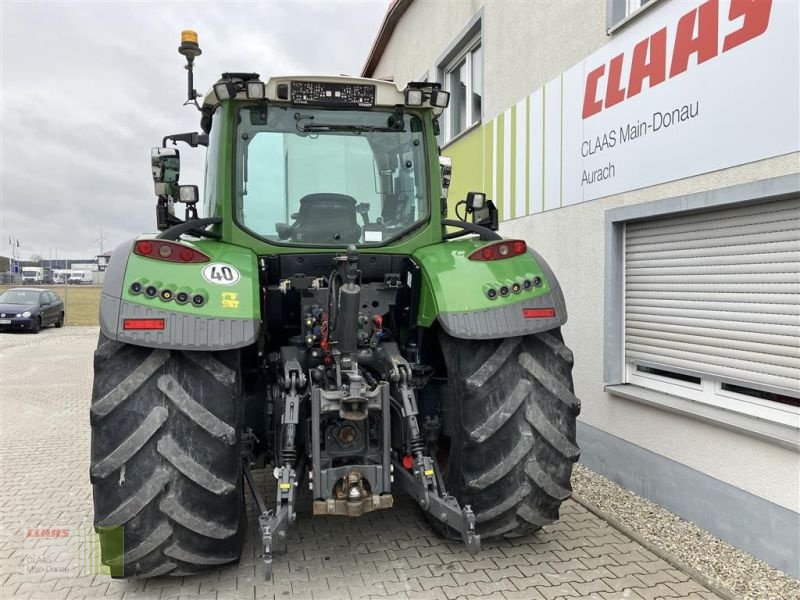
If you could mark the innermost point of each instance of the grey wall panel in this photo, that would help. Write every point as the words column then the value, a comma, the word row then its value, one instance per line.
column 765, row 530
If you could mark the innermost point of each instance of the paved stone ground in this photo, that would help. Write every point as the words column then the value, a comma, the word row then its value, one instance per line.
column 47, row 549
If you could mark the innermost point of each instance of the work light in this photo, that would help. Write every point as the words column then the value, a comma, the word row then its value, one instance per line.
column 188, row 194
column 414, row 97
column 440, row 99
column 256, row 90
column 224, row 90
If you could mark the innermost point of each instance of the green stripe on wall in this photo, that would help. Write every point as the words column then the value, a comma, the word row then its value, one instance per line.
column 500, row 123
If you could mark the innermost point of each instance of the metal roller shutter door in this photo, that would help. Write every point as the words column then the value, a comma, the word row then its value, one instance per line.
column 718, row 294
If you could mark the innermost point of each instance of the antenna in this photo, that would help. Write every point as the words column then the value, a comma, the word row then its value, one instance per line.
column 100, row 240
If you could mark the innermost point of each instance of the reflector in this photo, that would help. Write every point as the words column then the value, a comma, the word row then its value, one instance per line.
column 139, row 324
column 538, row 313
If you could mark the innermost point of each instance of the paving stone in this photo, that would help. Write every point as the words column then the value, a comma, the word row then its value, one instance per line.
column 591, row 588
column 655, row 592
column 627, row 569
column 386, row 555
column 620, row 583
column 686, row 587
column 496, row 586
column 459, row 591
column 556, row 591
column 409, row 586
column 529, row 594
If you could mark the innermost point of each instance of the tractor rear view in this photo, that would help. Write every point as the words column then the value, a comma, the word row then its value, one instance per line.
column 317, row 313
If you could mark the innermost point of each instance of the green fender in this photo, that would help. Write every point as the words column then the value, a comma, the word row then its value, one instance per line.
column 455, row 291
column 228, row 317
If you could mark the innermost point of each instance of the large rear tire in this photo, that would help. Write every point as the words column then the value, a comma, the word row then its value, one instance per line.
column 513, row 439
column 165, row 463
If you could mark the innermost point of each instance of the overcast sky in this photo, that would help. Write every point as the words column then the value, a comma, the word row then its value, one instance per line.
column 89, row 88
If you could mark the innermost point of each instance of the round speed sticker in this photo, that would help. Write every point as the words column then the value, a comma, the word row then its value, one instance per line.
column 221, row 274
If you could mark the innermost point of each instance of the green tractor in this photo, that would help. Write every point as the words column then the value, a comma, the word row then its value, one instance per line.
column 317, row 313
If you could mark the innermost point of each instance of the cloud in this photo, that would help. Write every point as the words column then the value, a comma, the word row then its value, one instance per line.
column 89, row 88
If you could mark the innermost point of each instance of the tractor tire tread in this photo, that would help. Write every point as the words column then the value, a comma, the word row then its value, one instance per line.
column 513, row 445
column 166, row 464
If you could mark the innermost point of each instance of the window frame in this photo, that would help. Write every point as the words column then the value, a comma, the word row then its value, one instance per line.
column 465, row 55
column 621, row 12
column 235, row 206
column 776, row 422
column 470, row 36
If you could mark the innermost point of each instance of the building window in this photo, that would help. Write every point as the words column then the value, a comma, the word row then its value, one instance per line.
column 704, row 307
column 620, row 12
column 633, row 5
column 463, row 78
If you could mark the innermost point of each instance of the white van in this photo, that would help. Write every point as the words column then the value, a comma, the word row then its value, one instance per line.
column 80, row 277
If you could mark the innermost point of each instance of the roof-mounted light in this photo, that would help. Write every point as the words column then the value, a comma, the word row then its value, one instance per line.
column 417, row 92
column 256, row 90
column 414, row 97
column 440, row 99
column 224, row 90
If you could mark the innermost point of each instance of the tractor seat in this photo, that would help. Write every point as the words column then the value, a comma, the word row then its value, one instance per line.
column 327, row 218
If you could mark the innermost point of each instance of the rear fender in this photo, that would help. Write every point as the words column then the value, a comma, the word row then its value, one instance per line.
column 455, row 292
column 229, row 316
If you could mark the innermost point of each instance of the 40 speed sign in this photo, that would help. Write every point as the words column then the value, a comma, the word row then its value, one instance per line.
column 221, row 274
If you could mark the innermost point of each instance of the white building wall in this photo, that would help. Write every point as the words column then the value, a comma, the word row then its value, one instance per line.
column 761, row 468
column 512, row 70
column 527, row 44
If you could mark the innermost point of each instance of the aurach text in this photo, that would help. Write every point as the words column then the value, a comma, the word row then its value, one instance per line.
column 650, row 61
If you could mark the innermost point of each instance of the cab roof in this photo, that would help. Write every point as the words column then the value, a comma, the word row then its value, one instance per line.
column 386, row 92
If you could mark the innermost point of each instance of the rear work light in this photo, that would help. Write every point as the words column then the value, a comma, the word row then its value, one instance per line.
column 143, row 324
column 538, row 313
column 500, row 250
column 169, row 251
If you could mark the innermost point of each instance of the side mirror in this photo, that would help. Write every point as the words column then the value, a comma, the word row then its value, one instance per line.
column 446, row 168
column 166, row 165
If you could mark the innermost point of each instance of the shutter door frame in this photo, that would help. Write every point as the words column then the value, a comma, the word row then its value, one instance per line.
column 716, row 294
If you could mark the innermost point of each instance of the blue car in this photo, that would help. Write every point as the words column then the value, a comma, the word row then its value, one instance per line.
column 30, row 309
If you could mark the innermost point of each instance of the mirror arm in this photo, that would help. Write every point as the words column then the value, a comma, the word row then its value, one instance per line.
column 484, row 232
column 192, row 138
column 195, row 227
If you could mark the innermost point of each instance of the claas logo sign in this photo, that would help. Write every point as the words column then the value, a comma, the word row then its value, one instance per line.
column 702, row 33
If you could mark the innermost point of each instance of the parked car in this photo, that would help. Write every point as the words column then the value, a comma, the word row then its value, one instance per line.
column 30, row 309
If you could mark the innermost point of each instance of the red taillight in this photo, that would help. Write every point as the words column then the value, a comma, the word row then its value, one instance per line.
column 144, row 248
column 169, row 251
column 538, row 313
column 499, row 250
column 139, row 324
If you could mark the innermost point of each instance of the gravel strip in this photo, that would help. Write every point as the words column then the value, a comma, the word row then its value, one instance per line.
column 721, row 563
